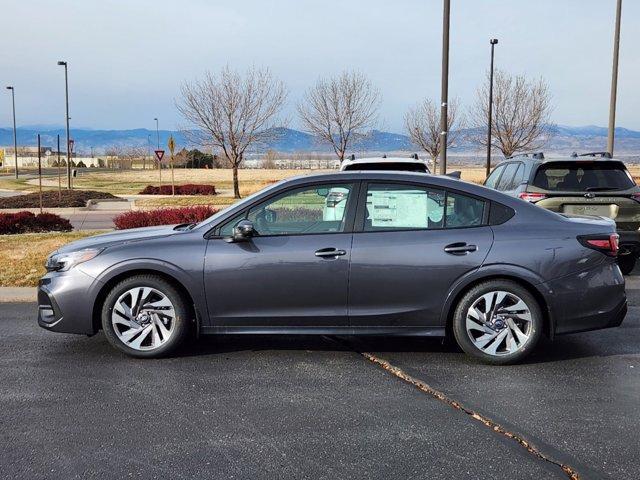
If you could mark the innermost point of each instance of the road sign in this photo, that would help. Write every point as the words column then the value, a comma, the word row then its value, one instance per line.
column 159, row 154
column 171, row 144
column 71, row 142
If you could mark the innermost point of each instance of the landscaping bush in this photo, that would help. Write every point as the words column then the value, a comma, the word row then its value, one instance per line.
column 51, row 198
column 188, row 189
column 163, row 216
column 27, row 222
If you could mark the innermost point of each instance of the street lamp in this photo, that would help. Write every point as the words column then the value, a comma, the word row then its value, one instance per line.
column 493, row 43
column 444, row 99
column 15, row 139
column 614, row 80
column 157, row 132
column 66, row 92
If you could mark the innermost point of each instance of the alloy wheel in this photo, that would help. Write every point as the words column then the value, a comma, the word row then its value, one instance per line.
column 143, row 318
column 499, row 323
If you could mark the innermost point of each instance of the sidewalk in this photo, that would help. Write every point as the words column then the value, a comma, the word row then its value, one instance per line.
column 18, row 294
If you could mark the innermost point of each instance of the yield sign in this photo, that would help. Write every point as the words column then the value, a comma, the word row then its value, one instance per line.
column 159, row 154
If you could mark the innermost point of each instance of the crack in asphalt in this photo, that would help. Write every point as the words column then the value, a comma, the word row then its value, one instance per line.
column 569, row 471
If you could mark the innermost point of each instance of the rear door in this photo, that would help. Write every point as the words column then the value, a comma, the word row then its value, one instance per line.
column 411, row 243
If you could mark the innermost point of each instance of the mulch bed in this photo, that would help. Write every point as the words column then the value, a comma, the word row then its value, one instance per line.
column 51, row 199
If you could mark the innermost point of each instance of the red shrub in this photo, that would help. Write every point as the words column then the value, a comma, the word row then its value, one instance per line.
column 188, row 189
column 27, row 222
column 163, row 216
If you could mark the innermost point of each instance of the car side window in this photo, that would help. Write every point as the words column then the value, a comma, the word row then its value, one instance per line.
column 392, row 207
column 305, row 210
column 518, row 178
column 227, row 229
column 463, row 211
column 507, row 177
column 493, row 177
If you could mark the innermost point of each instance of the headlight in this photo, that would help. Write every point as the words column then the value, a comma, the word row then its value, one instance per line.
column 61, row 262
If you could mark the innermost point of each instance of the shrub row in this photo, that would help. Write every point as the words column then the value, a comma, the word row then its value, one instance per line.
column 27, row 222
column 188, row 189
column 53, row 198
column 163, row 216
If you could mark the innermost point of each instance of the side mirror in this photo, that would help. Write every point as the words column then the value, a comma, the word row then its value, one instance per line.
column 242, row 232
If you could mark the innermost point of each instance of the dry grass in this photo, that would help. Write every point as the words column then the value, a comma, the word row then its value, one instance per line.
column 132, row 181
column 24, row 255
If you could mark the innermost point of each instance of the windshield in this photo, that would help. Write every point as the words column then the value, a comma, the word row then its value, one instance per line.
column 583, row 176
column 395, row 166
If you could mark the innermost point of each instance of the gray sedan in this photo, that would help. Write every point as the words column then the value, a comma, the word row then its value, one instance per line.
column 391, row 254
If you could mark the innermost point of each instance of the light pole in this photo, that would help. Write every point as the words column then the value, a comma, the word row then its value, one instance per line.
column 614, row 80
column 66, row 94
column 445, row 86
column 493, row 43
column 157, row 132
column 15, row 138
column 149, row 150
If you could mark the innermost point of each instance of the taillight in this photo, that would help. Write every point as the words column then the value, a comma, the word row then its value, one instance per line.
column 607, row 244
column 532, row 197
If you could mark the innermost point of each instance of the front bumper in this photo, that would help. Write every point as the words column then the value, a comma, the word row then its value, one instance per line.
column 64, row 302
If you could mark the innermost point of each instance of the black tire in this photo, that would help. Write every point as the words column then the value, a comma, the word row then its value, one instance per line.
column 181, row 321
column 475, row 293
column 627, row 263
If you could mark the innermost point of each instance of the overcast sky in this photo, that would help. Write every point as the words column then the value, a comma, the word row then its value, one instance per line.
column 128, row 58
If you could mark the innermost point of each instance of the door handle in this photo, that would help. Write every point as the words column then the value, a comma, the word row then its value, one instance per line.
column 330, row 252
column 460, row 248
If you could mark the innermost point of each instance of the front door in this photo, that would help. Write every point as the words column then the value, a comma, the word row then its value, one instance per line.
column 294, row 272
column 414, row 243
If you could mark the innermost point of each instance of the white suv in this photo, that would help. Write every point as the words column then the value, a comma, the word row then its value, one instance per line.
column 411, row 164
column 337, row 197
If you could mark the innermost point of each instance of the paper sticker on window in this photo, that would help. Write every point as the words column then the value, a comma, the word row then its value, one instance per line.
column 399, row 209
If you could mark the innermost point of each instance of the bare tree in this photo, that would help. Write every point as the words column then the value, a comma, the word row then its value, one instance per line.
column 230, row 112
column 422, row 123
column 340, row 109
column 521, row 114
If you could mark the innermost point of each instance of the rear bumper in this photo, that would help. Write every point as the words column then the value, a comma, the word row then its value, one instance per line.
column 588, row 300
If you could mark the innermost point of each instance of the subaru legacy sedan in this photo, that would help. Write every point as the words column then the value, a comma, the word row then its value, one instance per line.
column 410, row 254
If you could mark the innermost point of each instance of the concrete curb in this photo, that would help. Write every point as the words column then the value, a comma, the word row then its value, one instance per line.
column 18, row 294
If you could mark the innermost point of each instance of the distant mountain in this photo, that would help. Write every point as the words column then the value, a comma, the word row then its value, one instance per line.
column 565, row 139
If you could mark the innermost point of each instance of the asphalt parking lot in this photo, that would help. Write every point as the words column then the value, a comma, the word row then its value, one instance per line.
column 304, row 407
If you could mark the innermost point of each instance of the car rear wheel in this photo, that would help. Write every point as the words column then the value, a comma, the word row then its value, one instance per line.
column 498, row 322
column 145, row 316
column 627, row 263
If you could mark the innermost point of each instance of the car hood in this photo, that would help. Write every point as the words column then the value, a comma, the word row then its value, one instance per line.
column 120, row 236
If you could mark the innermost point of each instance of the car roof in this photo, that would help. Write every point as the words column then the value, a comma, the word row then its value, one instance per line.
column 558, row 158
column 441, row 181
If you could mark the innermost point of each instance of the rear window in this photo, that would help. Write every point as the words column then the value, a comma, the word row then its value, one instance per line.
column 396, row 166
column 583, row 176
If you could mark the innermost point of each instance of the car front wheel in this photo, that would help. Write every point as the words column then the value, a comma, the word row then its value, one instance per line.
column 498, row 322
column 145, row 316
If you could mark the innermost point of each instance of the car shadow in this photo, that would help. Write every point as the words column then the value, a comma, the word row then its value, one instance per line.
column 603, row 343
